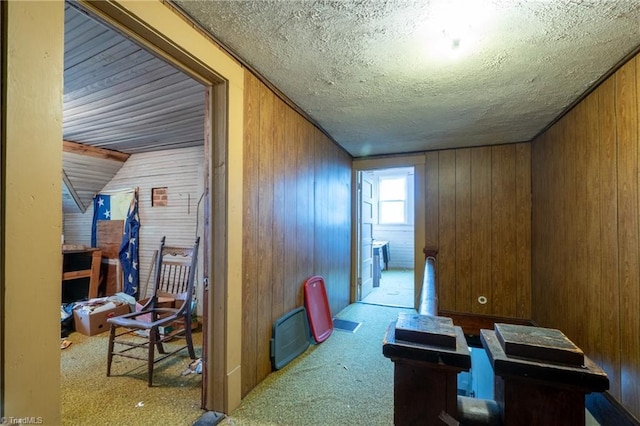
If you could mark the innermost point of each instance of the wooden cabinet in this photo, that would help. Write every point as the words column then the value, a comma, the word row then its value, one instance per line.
column 109, row 239
column 79, row 264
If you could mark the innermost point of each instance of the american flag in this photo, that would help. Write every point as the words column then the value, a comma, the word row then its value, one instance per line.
column 121, row 206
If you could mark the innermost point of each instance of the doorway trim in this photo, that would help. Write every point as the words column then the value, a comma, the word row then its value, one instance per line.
column 3, row 108
column 418, row 162
column 163, row 30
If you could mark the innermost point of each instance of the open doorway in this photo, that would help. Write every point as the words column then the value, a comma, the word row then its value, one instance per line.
column 132, row 119
column 386, row 220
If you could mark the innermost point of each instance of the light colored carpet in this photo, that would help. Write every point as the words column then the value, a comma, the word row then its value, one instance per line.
column 89, row 397
column 343, row 381
column 396, row 289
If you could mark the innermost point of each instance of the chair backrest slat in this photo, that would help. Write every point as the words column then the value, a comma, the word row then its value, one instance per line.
column 174, row 277
column 175, row 271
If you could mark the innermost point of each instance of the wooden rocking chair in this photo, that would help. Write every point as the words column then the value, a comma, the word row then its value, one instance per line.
column 175, row 271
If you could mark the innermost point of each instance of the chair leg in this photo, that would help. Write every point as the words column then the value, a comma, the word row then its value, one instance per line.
column 159, row 342
column 188, row 338
column 112, row 335
column 152, row 343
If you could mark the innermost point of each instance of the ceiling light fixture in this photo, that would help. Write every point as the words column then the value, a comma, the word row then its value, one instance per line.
column 453, row 27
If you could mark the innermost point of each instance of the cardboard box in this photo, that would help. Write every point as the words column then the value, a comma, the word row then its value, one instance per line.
column 92, row 323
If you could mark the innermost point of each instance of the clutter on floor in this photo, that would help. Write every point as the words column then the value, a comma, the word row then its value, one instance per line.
column 88, row 397
column 66, row 319
column 195, row 367
column 90, row 316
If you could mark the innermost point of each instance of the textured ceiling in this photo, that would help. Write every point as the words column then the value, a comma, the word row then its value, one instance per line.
column 374, row 74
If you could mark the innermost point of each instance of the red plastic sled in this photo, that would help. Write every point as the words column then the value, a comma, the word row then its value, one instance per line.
column 317, row 305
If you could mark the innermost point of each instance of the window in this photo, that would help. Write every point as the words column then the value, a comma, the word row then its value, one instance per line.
column 392, row 196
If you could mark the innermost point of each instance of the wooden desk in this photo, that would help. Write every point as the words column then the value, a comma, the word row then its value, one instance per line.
column 381, row 248
column 380, row 257
column 83, row 263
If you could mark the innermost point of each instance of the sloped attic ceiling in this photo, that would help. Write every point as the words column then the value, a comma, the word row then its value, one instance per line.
column 119, row 97
column 85, row 173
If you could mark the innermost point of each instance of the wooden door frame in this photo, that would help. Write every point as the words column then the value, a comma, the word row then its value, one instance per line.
column 3, row 52
column 216, row 385
column 418, row 162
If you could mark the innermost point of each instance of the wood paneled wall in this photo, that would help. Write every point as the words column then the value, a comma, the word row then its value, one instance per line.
column 478, row 217
column 586, row 242
column 297, row 220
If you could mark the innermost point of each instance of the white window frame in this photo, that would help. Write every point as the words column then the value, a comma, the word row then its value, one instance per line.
column 403, row 200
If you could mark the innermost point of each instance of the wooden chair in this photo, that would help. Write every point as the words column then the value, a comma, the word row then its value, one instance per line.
column 169, row 305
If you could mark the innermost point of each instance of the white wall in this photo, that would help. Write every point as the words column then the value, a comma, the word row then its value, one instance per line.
column 400, row 239
column 181, row 171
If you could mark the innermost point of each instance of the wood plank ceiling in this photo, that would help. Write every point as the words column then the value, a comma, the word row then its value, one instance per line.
column 120, row 97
